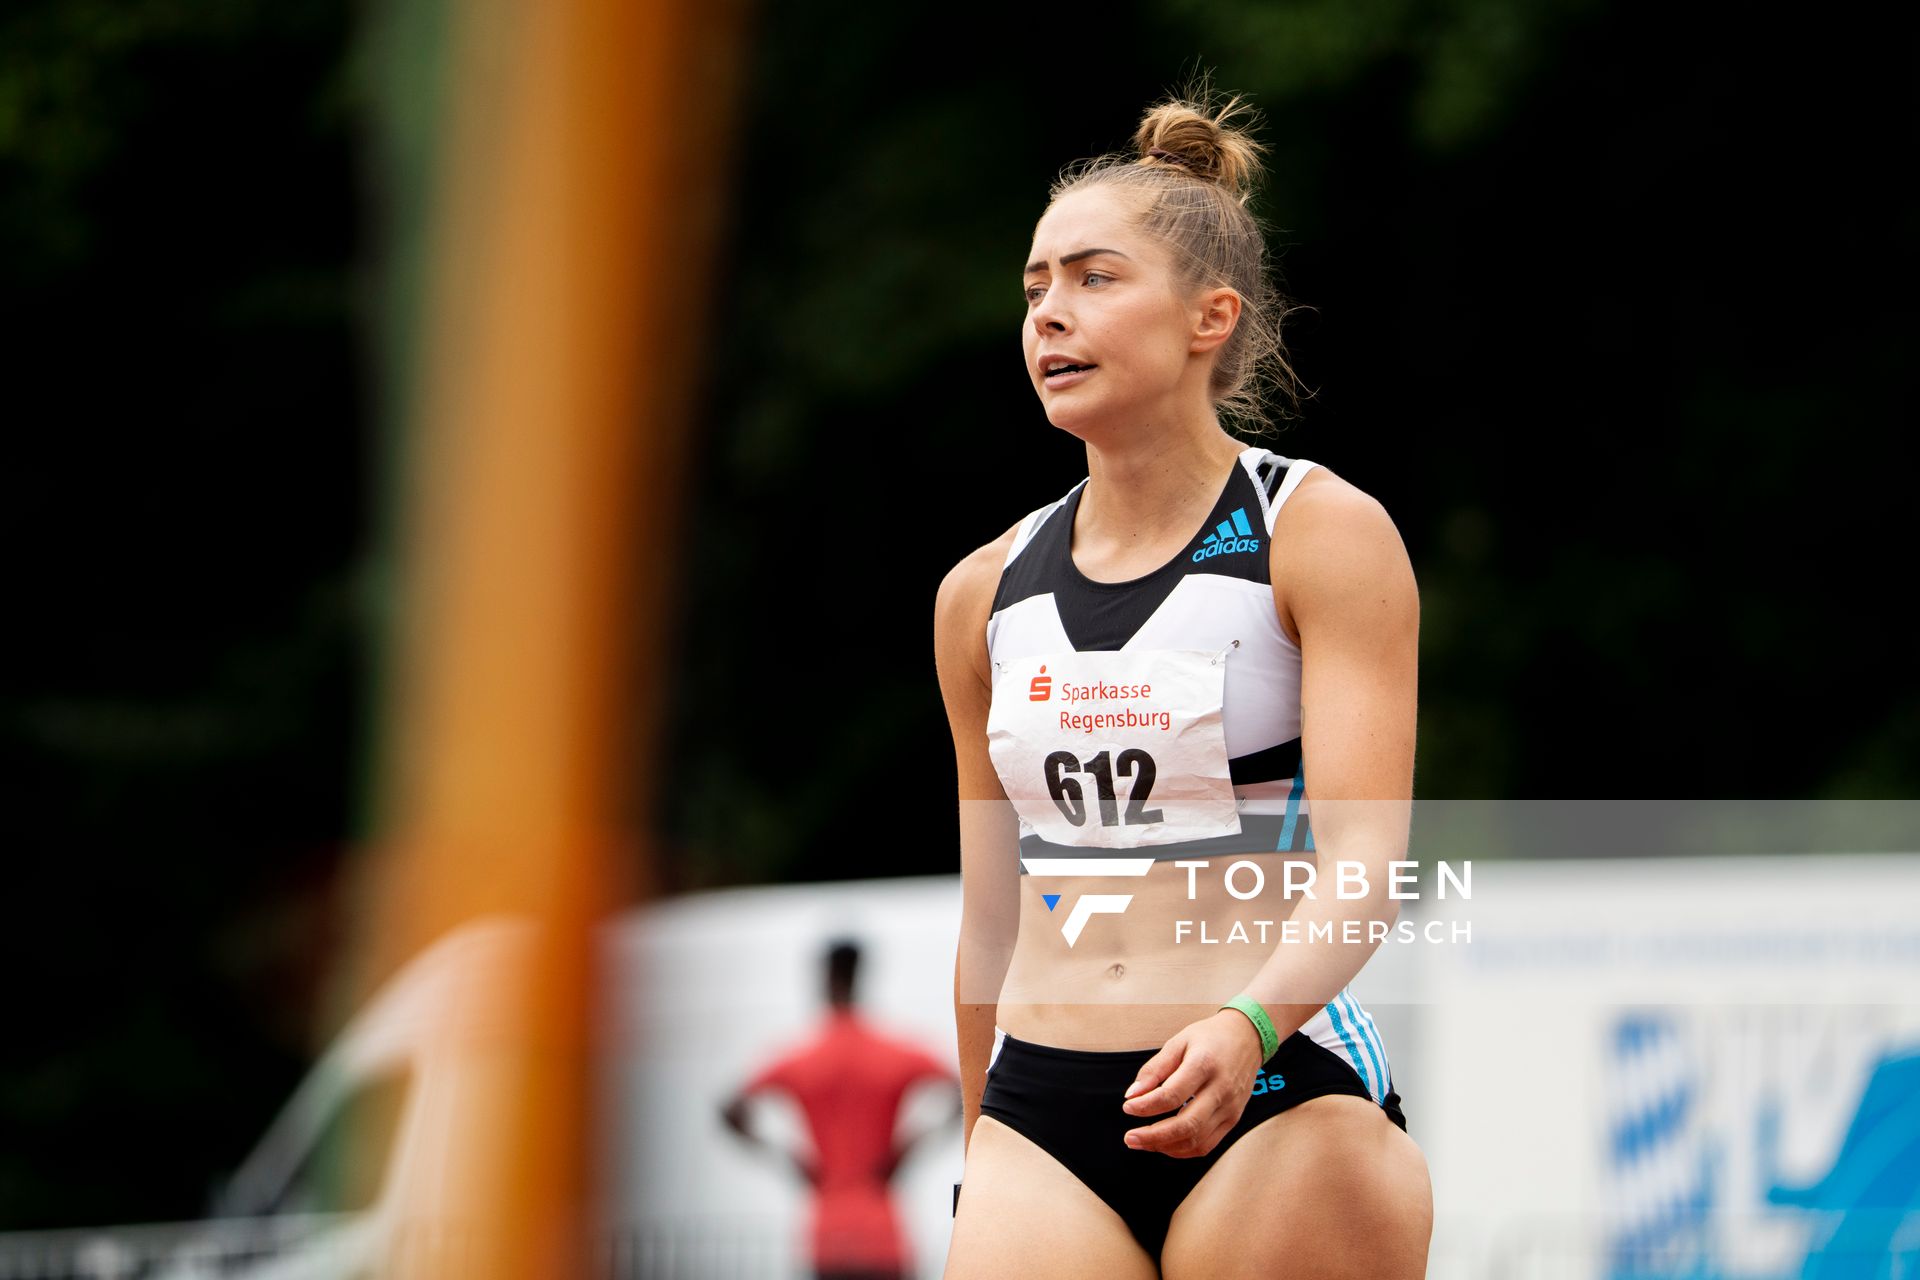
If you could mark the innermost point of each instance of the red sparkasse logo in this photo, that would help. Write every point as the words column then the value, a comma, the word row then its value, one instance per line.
column 1042, row 687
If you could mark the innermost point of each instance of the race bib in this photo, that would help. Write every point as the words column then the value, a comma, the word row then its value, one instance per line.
column 1116, row 749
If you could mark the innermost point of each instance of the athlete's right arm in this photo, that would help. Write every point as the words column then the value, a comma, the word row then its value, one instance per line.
column 989, row 832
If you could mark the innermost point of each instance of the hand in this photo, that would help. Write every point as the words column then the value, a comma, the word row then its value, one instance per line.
column 1208, row 1066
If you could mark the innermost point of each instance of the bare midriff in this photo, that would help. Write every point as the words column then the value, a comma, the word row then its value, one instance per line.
column 1127, row 983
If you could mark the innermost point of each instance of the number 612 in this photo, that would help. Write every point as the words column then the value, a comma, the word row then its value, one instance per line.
column 1067, row 793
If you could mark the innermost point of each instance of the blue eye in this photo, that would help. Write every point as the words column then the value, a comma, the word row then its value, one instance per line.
column 1089, row 277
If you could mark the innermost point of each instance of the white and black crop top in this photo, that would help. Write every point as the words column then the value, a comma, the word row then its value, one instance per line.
column 1104, row 728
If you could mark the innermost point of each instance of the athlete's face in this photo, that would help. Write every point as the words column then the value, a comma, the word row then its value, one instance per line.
column 1101, row 292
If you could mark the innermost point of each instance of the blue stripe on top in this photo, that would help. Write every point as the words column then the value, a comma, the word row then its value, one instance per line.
column 1293, row 807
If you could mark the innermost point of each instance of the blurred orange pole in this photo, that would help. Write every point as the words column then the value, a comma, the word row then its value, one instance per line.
column 586, row 148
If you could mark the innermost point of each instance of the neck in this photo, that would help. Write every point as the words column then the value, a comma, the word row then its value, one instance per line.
column 1154, row 485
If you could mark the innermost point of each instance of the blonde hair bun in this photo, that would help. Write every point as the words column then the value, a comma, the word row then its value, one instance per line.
column 1203, row 140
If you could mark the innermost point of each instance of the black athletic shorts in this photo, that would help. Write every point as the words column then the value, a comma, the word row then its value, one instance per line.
column 1067, row 1102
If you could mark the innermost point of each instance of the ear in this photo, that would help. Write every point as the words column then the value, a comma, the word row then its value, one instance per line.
column 1215, row 312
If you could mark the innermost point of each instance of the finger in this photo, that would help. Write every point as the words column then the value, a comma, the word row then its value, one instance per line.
column 1199, row 1126
column 1156, row 1069
column 1187, row 1080
column 1207, row 1135
column 1207, row 1145
column 1222, row 1125
column 1174, row 1136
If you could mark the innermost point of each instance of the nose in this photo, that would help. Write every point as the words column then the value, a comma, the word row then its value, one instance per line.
column 1049, row 316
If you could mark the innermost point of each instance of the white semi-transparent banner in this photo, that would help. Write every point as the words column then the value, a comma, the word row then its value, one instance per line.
column 1805, row 900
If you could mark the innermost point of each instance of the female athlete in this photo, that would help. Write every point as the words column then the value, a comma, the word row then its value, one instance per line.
column 1145, row 681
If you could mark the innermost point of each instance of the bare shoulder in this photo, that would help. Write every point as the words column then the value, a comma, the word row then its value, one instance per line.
column 963, row 604
column 1326, row 506
column 1334, row 545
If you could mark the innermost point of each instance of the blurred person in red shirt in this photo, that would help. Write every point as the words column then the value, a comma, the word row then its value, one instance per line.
column 850, row 1079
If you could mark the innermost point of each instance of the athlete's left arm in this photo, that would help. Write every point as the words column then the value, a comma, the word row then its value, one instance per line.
column 1346, row 589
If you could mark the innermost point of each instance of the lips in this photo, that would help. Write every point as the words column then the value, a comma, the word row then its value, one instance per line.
column 1059, row 370
column 1070, row 375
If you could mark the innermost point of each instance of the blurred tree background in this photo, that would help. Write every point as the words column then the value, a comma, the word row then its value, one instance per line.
column 1611, row 310
column 1610, row 306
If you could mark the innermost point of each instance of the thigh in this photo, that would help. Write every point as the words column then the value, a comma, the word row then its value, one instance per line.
column 1326, row 1190
column 1023, row 1213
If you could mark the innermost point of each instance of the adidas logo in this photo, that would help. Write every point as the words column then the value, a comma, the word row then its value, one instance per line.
column 1268, row 1084
column 1231, row 535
